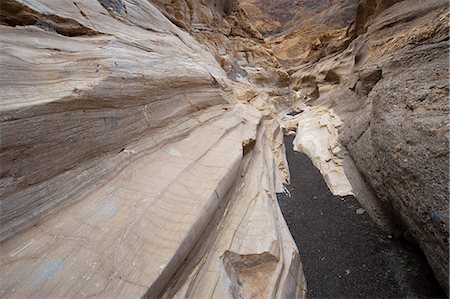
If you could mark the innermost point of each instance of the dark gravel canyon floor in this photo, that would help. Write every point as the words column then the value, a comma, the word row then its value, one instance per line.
column 345, row 255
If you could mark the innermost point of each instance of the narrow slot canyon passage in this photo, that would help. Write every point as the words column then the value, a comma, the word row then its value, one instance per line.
column 344, row 254
column 142, row 148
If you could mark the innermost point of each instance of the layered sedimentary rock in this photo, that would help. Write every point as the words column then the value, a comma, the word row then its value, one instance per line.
column 317, row 136
column 71, row 100
column 401, row 146
column 126, row 164
column 141, row 148
column 309, row 29
column 388, row 81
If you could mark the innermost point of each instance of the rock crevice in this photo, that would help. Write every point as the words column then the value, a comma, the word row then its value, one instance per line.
column 141, row 144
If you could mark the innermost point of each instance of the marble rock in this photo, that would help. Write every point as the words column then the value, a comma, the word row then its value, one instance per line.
column 317, row 136
column 128, row 169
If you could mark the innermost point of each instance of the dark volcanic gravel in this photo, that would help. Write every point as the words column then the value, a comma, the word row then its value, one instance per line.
column 345, row 255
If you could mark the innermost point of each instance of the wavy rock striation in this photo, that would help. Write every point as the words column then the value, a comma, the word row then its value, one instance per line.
column 141, row 148
column 127, row 167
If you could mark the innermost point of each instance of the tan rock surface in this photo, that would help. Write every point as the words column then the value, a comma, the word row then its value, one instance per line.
column 124, row 154
column 69, row 100
column 317, row 137
column 260, row 251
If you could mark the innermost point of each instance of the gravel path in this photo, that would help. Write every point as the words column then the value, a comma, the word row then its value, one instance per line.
column 344, row 254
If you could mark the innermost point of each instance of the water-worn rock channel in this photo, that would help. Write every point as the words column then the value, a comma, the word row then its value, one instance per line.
column 345, row 254
column 141, row 148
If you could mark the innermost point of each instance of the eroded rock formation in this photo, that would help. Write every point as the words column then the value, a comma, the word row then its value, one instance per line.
column 141, row 141
column 386, row 75
column 317, row 136
column 126, row 163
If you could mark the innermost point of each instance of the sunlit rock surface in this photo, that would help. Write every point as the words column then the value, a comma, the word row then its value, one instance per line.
column 127, row 167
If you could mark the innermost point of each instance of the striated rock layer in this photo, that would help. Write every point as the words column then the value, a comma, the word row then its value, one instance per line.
column 389, row 85
column 141, row 148
column 382, row 67
column 127, row 167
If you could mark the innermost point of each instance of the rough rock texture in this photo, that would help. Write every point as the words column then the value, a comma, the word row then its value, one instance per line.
column 124, row 154
column 262, row 22
column 317, row 136
column 141, row 149
column 70, row 102
column 310, row 29
column 390, row 87
column 382, row 66
column 256, row 75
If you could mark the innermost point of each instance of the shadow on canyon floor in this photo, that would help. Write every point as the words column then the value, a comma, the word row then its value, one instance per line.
column 344, row 254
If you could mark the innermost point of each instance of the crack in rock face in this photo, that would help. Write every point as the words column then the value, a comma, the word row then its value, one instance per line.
column 250, row 274
column 116, row 5
column 142, row 141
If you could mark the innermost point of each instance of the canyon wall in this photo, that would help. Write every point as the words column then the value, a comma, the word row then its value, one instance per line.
column 399, row 138
column 132, row 164
column 384, row 71
column 141, row 148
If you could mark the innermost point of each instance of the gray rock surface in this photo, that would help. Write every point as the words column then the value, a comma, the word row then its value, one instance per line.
column 393, row 98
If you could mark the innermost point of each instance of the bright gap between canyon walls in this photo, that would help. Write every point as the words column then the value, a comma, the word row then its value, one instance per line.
column 142, row 142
